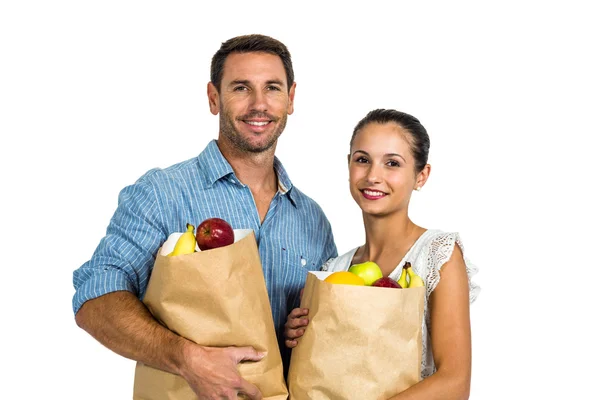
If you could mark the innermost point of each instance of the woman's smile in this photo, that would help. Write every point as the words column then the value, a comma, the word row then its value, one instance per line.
column 372, row 194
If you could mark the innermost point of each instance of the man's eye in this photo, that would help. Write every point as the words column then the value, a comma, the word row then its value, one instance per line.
column 240, row 88
column 274, row 88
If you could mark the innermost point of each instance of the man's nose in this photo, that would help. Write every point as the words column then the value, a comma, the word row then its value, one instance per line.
column 259, row 101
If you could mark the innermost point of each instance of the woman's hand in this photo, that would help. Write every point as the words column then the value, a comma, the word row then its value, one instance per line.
column 295, row 326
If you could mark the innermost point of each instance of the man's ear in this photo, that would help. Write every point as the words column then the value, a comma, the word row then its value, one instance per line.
column 291, row 95
column 213, row 98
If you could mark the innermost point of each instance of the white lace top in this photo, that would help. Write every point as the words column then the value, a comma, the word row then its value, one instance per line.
column 427, row 255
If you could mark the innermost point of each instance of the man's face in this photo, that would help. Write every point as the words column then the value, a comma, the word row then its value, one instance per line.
column 253, row 102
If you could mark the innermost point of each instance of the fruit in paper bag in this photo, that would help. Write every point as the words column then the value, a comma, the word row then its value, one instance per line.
column 403, row 281
column 169, row 244
column 345, row 278
column 414, row 279
column 369, row 271
column 213, row 233
column 186, row 244
column 388, row 282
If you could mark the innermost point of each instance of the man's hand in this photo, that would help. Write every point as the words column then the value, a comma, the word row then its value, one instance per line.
column 295, row 326
column 212, row 371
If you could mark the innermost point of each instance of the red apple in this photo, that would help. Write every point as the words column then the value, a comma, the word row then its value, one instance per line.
column 386, row 281
column 213, row 233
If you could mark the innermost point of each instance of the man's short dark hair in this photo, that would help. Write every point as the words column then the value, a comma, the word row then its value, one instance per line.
column 250, row 44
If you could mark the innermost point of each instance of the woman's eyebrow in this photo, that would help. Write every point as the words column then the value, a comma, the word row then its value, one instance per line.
column 395, row 154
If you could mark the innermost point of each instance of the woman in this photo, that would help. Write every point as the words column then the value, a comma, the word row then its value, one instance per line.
column 387, row 162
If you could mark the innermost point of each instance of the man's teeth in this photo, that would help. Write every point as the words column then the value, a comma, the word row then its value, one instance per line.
column 371, row 193
column 256, row 123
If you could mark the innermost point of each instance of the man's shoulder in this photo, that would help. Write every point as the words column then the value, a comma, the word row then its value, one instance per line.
column 182, row 171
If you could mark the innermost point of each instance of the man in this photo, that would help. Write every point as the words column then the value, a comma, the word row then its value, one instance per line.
column 237, row 178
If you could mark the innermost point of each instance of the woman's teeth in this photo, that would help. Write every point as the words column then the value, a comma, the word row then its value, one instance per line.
column 374, row 194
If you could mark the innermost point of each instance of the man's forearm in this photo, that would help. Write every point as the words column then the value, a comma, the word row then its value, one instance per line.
column 121, row 322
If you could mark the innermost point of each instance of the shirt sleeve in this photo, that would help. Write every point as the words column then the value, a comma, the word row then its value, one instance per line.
column 125, row 256
column 330, row 249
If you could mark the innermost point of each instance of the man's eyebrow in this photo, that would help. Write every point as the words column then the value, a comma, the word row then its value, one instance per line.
column 247, row 82
column 239, row 82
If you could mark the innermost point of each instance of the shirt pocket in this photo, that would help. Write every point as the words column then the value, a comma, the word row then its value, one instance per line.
column 295, row 267
column 299, row 261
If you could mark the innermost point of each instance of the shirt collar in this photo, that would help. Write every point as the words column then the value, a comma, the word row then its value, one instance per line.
column 212, row 164
column 285, row 184
column 214, row 167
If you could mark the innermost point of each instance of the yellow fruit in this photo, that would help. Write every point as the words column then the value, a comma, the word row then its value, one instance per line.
column 345, row 278
column 414, row 280
column 186, row 244
column 403, row 281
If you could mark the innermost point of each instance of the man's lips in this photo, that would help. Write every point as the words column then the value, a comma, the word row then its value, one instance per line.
column 371, row 194
column 257, row 123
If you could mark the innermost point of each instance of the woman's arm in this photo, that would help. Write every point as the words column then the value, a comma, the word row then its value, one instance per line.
column 450, row 337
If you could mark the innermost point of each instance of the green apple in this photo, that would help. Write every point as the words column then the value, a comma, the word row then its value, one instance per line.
column 368, row 270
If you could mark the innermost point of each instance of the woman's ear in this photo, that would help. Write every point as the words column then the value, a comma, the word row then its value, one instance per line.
column 422, row 177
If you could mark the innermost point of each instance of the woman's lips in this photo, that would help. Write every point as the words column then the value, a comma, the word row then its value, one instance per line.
column 370, row 194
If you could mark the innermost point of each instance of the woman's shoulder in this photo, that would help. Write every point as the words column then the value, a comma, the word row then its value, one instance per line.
column 340, row 263
column 439, row 243
column 436, row 250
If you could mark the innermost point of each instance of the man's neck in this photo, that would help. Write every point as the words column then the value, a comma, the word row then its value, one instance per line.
column 255, row 170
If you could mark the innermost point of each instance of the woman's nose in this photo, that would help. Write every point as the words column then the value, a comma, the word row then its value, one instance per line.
column 374, row 174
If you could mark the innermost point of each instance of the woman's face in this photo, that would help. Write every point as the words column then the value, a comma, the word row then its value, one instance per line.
column 382, row 169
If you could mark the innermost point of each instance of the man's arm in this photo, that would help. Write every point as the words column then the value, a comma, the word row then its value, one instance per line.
column 121, row 322
column 106, row 304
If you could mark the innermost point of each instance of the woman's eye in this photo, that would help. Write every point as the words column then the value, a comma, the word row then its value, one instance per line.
column 393, row 163
column 361, row 160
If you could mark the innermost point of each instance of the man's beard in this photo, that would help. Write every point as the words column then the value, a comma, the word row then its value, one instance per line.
column 232, row 134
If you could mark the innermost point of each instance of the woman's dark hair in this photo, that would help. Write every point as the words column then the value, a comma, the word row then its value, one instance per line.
column 420, row 139
column 250, row 44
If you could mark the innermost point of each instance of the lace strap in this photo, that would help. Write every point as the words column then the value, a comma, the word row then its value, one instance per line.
column 440, row 250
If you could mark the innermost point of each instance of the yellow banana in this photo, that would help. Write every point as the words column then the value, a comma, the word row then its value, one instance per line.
column 414, row 279
column 186, row 243
column 402, row 281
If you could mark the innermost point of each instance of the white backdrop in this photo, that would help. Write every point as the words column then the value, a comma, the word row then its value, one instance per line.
column 93, row 94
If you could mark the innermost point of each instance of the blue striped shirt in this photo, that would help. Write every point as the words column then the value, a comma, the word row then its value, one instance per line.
column 294, row 237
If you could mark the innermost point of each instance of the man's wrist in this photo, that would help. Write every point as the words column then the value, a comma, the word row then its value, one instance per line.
column 185, row 353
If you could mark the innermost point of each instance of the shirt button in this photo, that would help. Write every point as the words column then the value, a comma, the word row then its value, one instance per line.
column 303, row 262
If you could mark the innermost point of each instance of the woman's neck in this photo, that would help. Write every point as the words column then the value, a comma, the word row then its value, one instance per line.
column 387, row 240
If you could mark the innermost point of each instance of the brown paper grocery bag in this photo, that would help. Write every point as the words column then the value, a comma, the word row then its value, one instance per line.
column 361, row 342
column 215, row 298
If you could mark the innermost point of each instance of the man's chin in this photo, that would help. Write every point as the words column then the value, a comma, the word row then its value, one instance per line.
column 257, row 149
